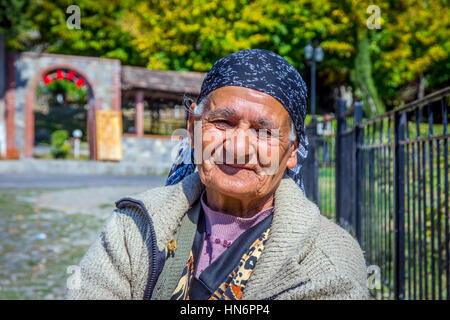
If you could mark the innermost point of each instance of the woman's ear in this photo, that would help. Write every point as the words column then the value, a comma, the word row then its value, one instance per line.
column 292, row 160
column 190, row 123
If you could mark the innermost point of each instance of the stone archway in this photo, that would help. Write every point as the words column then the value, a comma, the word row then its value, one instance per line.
column 71, row 72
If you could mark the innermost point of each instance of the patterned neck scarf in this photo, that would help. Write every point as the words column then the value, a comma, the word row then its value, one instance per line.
column 232, row 288
column 264, row 71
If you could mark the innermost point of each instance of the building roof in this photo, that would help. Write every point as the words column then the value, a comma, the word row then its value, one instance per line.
column 166, row 81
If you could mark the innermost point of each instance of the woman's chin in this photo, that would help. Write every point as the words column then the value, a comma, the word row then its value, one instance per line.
column 239, row 184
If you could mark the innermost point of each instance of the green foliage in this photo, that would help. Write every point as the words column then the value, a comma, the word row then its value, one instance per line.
column 191, row 35
column 59, row 137
column 13, row 22
column 60, row 147
column 414, row 39
column 72, row 93
column 308, row 119
column 101, row 33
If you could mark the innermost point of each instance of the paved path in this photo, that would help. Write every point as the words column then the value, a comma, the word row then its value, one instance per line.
column 33, row 181
column 47, row 223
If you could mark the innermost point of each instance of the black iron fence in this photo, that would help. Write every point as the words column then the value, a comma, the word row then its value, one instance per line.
column 319, row 167
column 391, row 191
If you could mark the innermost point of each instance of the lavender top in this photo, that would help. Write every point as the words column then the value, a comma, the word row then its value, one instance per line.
column 221, row 231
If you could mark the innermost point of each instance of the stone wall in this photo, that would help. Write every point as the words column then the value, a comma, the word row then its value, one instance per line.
column 142, row 156
column 155, row 151
column 78, row 167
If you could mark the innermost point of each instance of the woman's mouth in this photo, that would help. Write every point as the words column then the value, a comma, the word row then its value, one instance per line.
column 234, row 168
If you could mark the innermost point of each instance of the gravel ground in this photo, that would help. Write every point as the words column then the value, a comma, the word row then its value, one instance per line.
column 46, row 181
column 44, row 231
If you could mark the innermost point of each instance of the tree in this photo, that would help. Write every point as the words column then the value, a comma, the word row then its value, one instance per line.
column 413, row 44
column 13, row 22
column 100, row 34
column 185, row 35
column 411, row 48
column 362, row 77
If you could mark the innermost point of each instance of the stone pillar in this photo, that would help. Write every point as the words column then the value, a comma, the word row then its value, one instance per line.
column 10, row 108
column 2, row 96
column 139, row 120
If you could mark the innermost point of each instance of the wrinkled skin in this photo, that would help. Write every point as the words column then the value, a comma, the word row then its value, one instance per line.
column 240, row 185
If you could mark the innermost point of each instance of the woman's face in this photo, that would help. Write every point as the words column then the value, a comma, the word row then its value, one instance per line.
column 242, row 142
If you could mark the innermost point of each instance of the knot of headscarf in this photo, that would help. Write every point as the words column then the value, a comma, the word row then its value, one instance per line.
column 267, row 72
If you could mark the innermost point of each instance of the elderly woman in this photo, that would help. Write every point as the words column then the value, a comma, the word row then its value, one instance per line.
column 240, row 227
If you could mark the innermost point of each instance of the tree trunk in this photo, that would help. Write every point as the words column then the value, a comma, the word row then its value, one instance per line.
column 421, row 91
column 362, row 76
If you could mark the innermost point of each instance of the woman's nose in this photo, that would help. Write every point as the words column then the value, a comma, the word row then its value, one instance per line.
column 239, row 146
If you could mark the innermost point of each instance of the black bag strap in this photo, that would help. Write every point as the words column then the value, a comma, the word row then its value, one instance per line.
column 176, row 260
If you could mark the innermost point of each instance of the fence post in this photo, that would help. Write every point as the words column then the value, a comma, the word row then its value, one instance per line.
column 341, row 124
column 313, row 168
column 316, row 163
column 359, row 136
column 310, row 165
column 399, row 206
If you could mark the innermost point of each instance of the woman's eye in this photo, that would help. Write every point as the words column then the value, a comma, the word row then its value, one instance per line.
column 222, row 123
column 264, row 133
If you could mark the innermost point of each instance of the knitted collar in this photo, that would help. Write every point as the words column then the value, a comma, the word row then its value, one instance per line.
column 294, row 229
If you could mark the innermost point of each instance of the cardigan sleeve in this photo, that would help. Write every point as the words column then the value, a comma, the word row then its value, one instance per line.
column 336, row 268
column 342, row 264
column 339, row 289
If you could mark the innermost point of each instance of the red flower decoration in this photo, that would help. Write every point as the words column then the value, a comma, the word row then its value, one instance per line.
column 80, row 82
column 47, row 79
column 70, row 75
column 59, row 74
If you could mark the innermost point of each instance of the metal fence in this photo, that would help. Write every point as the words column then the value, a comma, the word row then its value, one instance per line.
column 392, row 193
column 319, row 166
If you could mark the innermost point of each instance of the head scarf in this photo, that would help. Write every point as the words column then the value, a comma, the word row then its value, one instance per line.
column 264, row 71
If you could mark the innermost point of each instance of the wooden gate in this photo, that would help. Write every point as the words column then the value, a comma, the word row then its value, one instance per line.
column 109, row 135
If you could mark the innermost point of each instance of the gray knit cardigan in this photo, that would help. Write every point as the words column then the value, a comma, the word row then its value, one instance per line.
column 306, row 256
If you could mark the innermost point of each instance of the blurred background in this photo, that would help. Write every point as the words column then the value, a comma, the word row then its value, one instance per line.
column 90, row 93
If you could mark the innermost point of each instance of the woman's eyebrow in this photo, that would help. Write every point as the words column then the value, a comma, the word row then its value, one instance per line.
column 228, row 113
column 222, row 112
column 266, row 123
